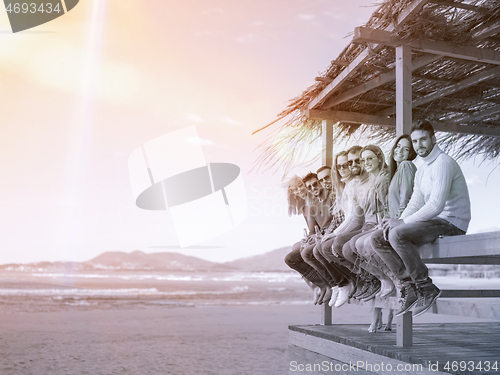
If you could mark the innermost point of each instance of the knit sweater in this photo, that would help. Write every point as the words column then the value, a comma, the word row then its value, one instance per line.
column 440, row 191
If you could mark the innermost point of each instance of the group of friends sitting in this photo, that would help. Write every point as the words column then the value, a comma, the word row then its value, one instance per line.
column 367, row 216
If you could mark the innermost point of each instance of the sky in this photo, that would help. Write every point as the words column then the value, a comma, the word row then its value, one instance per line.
column 81, row 93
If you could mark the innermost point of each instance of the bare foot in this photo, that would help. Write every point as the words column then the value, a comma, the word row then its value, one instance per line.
column 372, row 328
column 388, row 326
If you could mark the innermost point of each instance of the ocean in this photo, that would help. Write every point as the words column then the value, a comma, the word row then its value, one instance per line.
column 182, row 323
column 48, row 291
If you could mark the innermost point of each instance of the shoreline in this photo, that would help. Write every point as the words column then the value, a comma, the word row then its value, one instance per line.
column 103, row 330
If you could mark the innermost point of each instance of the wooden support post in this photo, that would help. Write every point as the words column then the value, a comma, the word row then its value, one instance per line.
column 403, row 90
column 326, row 313
column 327, row 142
column 327, row 159
column 404, row 329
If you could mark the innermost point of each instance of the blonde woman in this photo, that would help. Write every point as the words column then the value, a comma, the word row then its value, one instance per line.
column 299, row 202
column 372, row 203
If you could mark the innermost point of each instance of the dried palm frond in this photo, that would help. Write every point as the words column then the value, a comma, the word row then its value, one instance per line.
column 436, row 21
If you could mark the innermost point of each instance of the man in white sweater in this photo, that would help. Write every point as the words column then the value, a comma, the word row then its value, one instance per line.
column 439, row 206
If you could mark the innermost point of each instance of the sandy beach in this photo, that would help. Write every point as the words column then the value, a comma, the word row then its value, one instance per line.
column 152, row 335
column 137, row 324
column 176, row 340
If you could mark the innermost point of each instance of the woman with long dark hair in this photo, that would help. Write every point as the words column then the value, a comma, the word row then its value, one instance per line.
column 402, row 173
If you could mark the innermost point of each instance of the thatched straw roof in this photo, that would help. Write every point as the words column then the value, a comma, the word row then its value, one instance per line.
column 455, row 80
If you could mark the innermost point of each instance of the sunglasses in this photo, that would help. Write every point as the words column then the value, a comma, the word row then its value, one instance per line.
column 315, row 184
column 355, row 161
column 342, row 166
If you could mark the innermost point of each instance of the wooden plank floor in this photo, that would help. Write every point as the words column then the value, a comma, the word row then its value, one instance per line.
column 432, row 343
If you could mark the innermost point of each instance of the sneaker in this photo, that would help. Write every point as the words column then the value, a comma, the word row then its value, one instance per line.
column 373, row 289
column 369, row 288
column 333, row 298
column 327, row 296
column 361, row 288
column 323, row 290
column 386, row 289
column 408, row 298
column 343, row 296
column 352, row 288
column 317, row 292
column 428, row 294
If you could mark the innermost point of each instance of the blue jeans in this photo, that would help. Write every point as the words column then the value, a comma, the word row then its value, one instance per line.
column 405, row 240
column 295, row 261
column 327, row 271
column 349, row 250
column 324, row 254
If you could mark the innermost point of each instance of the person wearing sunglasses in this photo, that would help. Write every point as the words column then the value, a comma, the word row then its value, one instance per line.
column 340, row 277
column 318, row 218
column 372, row 203
column 324, row 174
column 312, row 255
column 402, row 174
column 351, row 225
column 320, row 211
column 300, row 200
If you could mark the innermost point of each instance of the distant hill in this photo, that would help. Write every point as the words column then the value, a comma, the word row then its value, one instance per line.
column 139, row 260
column 161, row 262
column 121, row 261
column 271, row 261
column 175, row 262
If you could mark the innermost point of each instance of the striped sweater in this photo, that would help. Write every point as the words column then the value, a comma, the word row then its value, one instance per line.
column 440, row 191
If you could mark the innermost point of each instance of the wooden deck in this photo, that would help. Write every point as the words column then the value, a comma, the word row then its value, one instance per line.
column 434, row 345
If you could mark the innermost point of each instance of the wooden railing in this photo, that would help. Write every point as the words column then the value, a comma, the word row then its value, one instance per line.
column 480, row 248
